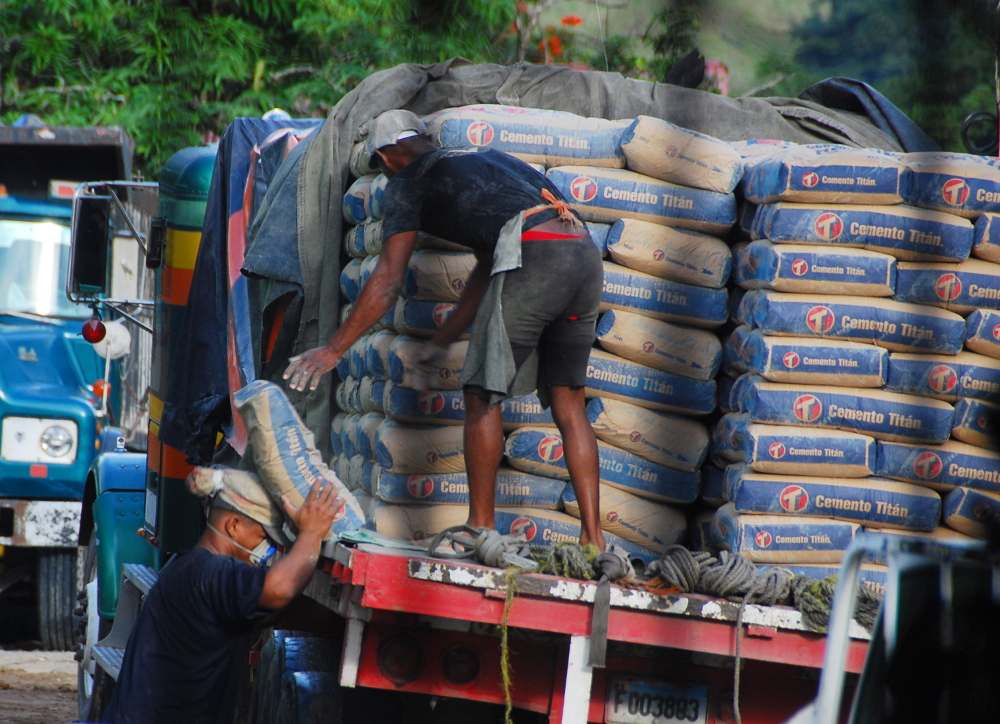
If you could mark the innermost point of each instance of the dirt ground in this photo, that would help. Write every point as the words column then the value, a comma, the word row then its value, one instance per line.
column 37, row 687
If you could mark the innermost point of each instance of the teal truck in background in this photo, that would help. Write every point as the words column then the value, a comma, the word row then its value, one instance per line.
column 55, row 408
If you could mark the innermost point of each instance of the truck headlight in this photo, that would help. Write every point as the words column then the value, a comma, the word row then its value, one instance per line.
column 39, row 440
column 56, row 441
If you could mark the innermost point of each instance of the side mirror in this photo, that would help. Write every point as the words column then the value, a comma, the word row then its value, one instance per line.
column 92, row 233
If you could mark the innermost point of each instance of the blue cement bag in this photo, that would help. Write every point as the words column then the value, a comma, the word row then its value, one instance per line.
column 958, row 183
column 403, row 359
column 346, row 395
column 354, row 242
column 873, row 576
column 781, row 538
column 713, row 486
column 513, row 489
column 336, row 430
column 371, row 391
column 422, row 319
column 437, row 276
column 368, row 265
column 808, row 361
column 539, row 451
column 675, row 254
column 946, row 378
column 419, row 448
column 544, row 527
column 815, row 270
column 349, row 435
column 350, row 279
column 617, row 378
column 375, row 196
column 695, row 353
column 700, row 532
column 975, row 422
column 447, row 407
column 874, row 502
column 903, row 232
column 894, row 325
column 676, row 442
column 983, row 332
column 827, row 173
column 790, row 450
column 650, row 296
column 725, row 402
column 357, row 364
column 285, row 453
column 961, row 288
column 356, row 205
column 882, row 415
column 599, row 235
column 367, row 429
column 973, row 512
column 942, row 467
column 551, row 138
column 607, row 195
column 377, row 353
column 745, row 214
column 986, row 238
column 651, row 525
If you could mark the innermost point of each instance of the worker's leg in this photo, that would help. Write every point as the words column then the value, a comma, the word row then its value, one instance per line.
column 483, row 451
column 569, row 409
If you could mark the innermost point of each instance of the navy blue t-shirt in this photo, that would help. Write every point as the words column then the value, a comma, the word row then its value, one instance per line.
column 190, row 640
column 463, row 196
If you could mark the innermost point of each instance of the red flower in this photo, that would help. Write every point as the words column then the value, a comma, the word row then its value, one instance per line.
column 522, row 7
column 571, row 20
column 555, row 46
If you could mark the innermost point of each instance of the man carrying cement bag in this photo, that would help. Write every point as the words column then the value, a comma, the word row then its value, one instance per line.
column 532, row 298
column 192, row 636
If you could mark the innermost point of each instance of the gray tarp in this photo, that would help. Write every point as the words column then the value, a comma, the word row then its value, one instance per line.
column 322, row 175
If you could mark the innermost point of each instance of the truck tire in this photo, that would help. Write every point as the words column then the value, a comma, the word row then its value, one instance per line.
column 93, row 684
column 56, row 589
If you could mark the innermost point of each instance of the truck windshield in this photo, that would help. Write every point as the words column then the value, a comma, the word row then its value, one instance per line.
column 34, row 258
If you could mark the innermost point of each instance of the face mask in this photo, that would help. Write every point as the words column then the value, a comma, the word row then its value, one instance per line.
column 260, row 553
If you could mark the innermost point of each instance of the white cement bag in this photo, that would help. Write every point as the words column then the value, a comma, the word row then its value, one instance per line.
column 960, row 288
column 826, row 173
column 675, row 442
column 350, row 278
column 419, row 448
column 403, row 356
column 959, row 183
column 349, row 436
column 966, row 374
column 551, row 138
column 377, row 353
column 634, row 291
column 342, row 469
column 975, row 513
column 346, row 395
column 815, row 270
column 358, row 365
column 354, row 245
column 336, row 430
column 780, row 538
column 662, row 150
column 668, row 253
column 513, row 489
column 611, row 376
column 983, row 332
column 942, row 467
column 695, row 353
column 986, row 238
column 357, row 204
column 357, row 473
column 975, row 423
column 367, row 428
column 651, row 525
column 371, row 391
column 375, row 196
column 422, row 319
column 754, row 151
column 437, row 276
column 370, row 234
column 607, row 195
column 361, row 163
column 367, row 267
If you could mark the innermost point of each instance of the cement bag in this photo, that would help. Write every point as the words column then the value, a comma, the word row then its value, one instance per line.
column 700, row 532
column 342, row 469
column 675, row 442
column 403, row 356
column 539, row 451
column 367, row 267
column 524, row 411
column 973, row 512
column 367, row 428
column 975, row 423
column 789, row 450
column 357, row 358
column 651, row 525
column 427, row 407
column 422, row 319
column 781, row 538
column 942, row 467
column 946, row 378
column 713, row 489
column 894, row 325
column 349, row 435
column 599, row 235
column 619, row 379
column 662, row 150
column 745, row 215
column 364, row 499
column 336, row 430
column 695, row 353
column 726, row 385
column 650, row 296
column 607, row 195
column 815, row 270
column 361, row 163
column 546, row 527
column 986, row 238
column 883, row 415
column 903, row 232
column 413, row 522
column 285, row 453
column 874, row 502
column 437, row 276
column 735, row 305
column 551, row 138
column 354, row 242
column 375, row 196
column 753, row 151
column 346, row 395
column 959, row 183
column 345, row 311
column 371, row 234
column 371, row 391
column 356, row 201
column 826, row 173
column 960, row 288
column 350, row 278
column 873, row 576
column 983, row 332
column 514, row 489
column 359, row 471
column 377, row 353
column 809, row 361
column 428, row 241
column 668, row 253
column 419, row 448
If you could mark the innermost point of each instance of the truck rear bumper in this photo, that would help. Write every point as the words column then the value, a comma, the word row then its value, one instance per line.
column 40, row 523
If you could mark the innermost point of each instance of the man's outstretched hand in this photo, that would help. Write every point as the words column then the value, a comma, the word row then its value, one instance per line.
column 318, row 511
column 307, row 368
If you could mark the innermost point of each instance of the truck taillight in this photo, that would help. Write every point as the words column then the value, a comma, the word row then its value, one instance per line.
column 400, row 659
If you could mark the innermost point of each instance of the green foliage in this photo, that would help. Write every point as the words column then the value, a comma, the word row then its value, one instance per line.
column 676, row 29
column 175, row 72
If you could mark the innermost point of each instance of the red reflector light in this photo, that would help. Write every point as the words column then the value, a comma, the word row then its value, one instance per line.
column 38, row 471
column 460, row 665
column 93, row 330
column 99, row 386
column 399, row 659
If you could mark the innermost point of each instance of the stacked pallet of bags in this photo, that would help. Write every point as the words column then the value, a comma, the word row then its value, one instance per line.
column 852, row 366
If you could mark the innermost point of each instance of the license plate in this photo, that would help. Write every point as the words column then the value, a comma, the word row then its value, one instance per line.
column 654, row 701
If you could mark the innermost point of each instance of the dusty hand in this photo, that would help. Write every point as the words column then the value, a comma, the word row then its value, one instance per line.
column 318, row 511
column 427, row 366
column 308, row 367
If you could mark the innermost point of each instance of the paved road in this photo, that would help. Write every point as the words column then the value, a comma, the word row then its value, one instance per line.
column 37, row 687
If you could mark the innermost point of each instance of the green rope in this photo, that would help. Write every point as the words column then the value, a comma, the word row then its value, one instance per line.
column 566, row 559
column 510, row 578
column 814, row 598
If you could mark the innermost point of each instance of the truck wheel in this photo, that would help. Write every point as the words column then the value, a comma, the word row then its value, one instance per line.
column 93, row 684
column 56, row 589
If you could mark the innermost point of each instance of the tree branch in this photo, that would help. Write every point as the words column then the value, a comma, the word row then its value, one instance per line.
column 768, row 85
column 292, row 70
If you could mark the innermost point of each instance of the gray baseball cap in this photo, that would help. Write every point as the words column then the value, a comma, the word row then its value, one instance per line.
column 390, row 127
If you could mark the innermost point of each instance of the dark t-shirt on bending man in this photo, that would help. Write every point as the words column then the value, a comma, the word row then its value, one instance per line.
column 465, row 197
column 190, row 641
